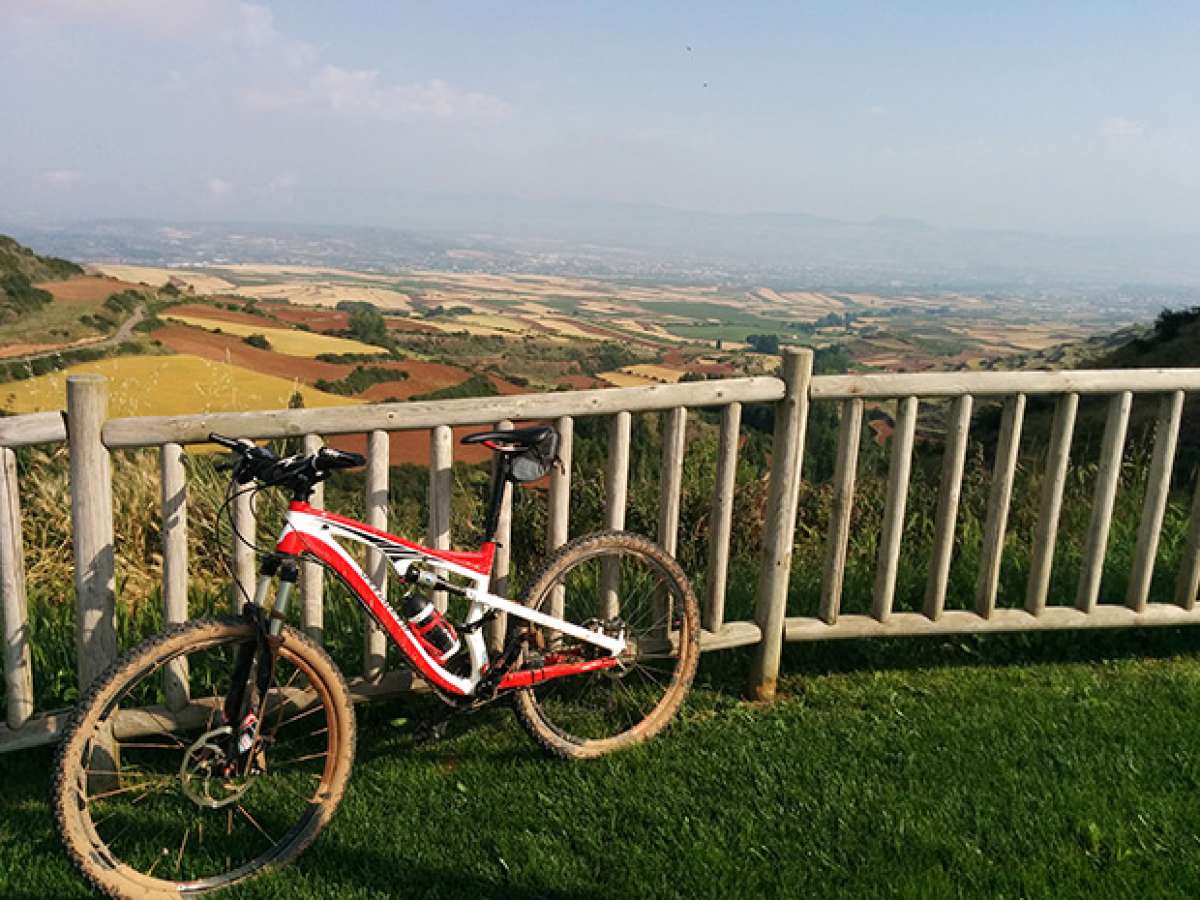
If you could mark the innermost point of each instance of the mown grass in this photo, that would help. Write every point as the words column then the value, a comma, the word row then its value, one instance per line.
column 1052, row 765
column 913, row 769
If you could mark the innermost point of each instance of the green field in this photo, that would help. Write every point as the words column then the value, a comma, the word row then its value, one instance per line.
column 910, row 769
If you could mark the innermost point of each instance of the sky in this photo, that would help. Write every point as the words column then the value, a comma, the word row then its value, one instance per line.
column 1067, row 118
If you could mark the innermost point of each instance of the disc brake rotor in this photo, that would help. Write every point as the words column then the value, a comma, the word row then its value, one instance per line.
column 208, row 775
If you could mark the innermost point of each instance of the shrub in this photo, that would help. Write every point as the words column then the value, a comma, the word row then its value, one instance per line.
column 257, row 340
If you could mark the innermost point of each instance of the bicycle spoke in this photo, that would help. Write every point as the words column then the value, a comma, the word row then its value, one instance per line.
column 253, row 822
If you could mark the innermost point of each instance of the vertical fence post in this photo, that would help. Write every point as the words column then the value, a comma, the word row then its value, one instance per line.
column 1158, row 486
column 498, row 627
column 999, row 496
column 312, row 575
column 374, row 640
column 674, row 437
column 91, row 526
column 722, row 517
column 173, row 485
column 1188, row 583
column 899, row 470
column 787, row 456
column 245, row 535
column 616, row 496
column 441, row 455
column 558, row 528
column 18, row 673
column 958, row 428
column 834, row 576
column 1108, row 477
column 1045, row 536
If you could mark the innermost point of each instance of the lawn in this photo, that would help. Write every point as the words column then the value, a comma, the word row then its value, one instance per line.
column 1050, row 766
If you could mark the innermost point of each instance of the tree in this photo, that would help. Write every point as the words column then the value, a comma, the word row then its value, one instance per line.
column 367, row 325
column 763, row 343
column 257, row 340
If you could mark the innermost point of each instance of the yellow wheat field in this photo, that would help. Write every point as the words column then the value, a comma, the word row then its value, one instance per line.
column 283, row 340
column 624, row 379
column 167, row 385
column 330, row 294
column 156, row 276
column 662, row 374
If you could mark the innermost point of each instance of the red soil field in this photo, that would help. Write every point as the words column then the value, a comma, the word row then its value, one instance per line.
column 227, row 348
column 86, row 289
column 203, row 311
column 413, row 446
column 322, row 320
column 506, row 388
column 423, row 377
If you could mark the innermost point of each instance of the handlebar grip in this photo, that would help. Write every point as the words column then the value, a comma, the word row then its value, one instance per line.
column 227, row 443
column 341, row 459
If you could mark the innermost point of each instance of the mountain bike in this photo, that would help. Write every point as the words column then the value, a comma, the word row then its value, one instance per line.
column 223, row 746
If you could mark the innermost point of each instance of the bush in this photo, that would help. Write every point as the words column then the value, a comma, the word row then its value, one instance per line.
column 257, row 340
column 359, row 380
column 475, row 386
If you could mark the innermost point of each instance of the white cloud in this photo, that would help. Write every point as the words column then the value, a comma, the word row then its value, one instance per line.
column 1117, row 129
column 62, row 177
column 152, row 17
column 219, row 187
column 361, row 93
column 264, row 68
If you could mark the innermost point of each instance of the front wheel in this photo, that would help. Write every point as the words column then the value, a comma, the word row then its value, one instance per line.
column 147, row 796
column 622, row 585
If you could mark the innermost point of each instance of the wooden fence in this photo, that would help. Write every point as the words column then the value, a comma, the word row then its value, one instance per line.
column 92, row 436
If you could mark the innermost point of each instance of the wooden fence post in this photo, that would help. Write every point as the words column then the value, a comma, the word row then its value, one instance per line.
column 722, row 518
column 245, row 539
column 441, row 458
column 378, row 458
column 173, row 484
column 787, row 456
column 91, row 526
column 558, row 528
column 18, row 673
column 497, row 629
column 892, row 533
column 312, row 575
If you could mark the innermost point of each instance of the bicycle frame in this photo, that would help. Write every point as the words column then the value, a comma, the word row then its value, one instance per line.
column 309, row 531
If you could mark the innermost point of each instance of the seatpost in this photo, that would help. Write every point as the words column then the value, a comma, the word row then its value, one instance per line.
column 499, row 485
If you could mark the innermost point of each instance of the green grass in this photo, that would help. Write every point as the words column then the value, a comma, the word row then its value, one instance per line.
column 914, row 769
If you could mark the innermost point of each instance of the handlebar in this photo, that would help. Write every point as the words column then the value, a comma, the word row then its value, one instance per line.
column 300, row 472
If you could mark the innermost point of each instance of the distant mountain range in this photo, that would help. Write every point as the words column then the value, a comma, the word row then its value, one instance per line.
column 577, row 237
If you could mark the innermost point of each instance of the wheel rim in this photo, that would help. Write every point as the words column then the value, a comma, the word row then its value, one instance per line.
column 618, row 591
column 141, row 808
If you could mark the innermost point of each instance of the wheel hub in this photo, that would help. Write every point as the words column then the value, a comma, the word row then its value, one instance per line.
column 209, row 775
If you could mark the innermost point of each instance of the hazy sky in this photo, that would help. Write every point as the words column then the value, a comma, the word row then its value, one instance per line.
column 1069, row 117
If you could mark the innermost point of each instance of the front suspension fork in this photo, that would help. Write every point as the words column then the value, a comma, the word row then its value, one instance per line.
column 240, row 701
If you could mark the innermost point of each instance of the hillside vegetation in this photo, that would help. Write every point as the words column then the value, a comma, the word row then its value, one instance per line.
column 20, row 268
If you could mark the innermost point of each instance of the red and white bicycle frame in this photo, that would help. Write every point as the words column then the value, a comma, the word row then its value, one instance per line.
column 311, row 531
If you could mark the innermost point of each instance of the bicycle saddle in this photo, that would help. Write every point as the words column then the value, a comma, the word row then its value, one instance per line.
column 514, row 441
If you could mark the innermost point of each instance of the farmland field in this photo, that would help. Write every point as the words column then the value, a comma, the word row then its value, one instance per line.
column 289, row 341
column 167, row 385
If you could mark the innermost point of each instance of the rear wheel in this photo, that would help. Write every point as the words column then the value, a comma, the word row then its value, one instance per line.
column 147, row 796
column 622, row 585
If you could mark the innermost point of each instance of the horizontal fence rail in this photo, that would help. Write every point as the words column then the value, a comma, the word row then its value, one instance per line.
column 93, row 436
column 956, row 393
